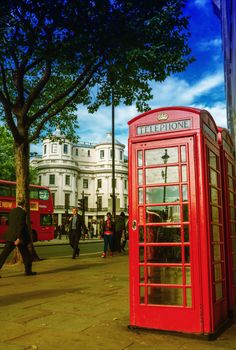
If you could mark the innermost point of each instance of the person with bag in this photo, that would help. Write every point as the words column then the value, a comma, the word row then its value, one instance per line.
column 108, row 234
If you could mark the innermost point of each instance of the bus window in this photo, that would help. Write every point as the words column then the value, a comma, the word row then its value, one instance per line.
column 45, row 220
column 4, row 218
column 33, row 193
column 44, row 194
column 5, row 191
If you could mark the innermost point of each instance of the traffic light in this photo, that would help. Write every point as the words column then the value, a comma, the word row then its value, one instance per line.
column 81, row 204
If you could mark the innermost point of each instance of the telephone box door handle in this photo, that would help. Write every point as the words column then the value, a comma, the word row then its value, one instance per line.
column 134, row 225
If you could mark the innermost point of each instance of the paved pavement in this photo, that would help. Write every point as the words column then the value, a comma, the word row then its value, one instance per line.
column 80, row 304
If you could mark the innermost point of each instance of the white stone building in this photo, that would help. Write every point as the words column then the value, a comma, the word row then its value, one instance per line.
column 84, row 169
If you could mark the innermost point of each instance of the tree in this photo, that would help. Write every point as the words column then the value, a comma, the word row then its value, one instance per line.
column 56, row 54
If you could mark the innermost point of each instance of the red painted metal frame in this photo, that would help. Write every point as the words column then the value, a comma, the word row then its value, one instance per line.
column 205, row 316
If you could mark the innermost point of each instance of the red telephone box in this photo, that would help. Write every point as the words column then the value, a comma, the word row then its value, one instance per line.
column 176, row 242
column 229, row 202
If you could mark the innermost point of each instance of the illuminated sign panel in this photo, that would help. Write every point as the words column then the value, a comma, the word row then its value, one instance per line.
column 164, row 127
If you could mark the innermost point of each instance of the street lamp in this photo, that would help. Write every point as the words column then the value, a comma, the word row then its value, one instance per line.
column 97, row 193
column 165, row 158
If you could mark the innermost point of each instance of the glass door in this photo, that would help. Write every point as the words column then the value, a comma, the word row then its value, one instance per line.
column 166, row 283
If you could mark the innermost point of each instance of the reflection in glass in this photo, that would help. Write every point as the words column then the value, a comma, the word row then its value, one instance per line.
column 186, row 254
column 184, row 173
column 160, row 156
column 163, row 194
column 213, row 177
column 165, row 296
column 141, row 254
column 186, row 233
column 142, row 294
column 140, row 177
column 216, row 233
column 188, row 275
column 140, row 158
column 141, row 274
column 162, row 175
column 164, row 254
column 214, row 195
column 230, row 169
column 231, row 183
column 232, row 213
column 141, row 234
column 183, row 154
column 189, row 297
column 215, row 214
column 216, row 252
column 218, row 291
column 218, row 272
column 212, row 160
column 170, row 213
column 231, row 198
column 161, row 234
column 164, row 275
column 185, row 212
column 140, row 196
column 185, row 193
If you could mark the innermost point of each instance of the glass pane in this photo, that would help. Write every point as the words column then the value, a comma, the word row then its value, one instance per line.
column 34, row 194
column 162, row 175
column 212, row 160
column 233, row 228
column 186, row 254
column 184, row 173
column 169, row 213
column 141, row 254
column 230, row 169
column 44, row 195
column 218, row 291
column 185, row 193
column 142, row 295
column 188, row 275
column 140, row 177
column 157, row 234
column 164, row 254
column 232, row 213
column 213, row 177
column 163, row 194
column 45, row 220
column 140, row 158
column 161, row 156
column 231, row 198
column 141, row 234
column 185, row 212
column 183, row 154
column 165, row 296
column 189, row 297
column 233, row 240
column 215, row 214
column 231, row 183
column 216, row 233
column 218, row 272
column 140, row 196
column 214, row 195
column 186, row 233
column 216, row 252
column 141, row 274
column 164, row 275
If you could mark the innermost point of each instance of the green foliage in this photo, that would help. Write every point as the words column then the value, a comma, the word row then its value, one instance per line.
column 56, row 54
column 7, row 159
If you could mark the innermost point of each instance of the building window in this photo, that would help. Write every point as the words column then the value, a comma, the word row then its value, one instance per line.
column 99, row 202
column 99, row 183
column 65, row 148
column 125, row 184
column 40, row 179
column 76, row 152
column 68, row 180
column 121, row 155
column 67, row 200
column 85, row 183
column 126, row 202
column 102, row 154
column 89, row 153
column 44, row 149
column 54, row 148
column 52, row 179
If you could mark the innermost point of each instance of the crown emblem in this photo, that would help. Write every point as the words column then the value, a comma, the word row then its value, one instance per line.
column 162, row 116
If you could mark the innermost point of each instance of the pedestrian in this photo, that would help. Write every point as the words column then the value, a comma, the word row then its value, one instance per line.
column 108, row 233
column 119, row 231
column 76, row 225
column 17, row 235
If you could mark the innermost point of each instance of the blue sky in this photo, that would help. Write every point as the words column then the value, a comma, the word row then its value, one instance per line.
column 201, row 85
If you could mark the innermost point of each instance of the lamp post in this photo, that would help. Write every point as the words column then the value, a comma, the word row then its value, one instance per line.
column 165, row 158
column 97, row 193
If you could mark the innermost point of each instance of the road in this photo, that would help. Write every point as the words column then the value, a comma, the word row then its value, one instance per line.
column 64, row 250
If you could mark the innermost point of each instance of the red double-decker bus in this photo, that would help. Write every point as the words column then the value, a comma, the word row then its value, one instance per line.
column 41, row 210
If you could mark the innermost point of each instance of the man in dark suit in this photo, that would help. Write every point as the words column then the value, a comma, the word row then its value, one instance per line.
column 76, row 225
column 17, row 235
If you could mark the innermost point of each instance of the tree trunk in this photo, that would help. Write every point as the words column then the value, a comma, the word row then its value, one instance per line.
column 22, row 189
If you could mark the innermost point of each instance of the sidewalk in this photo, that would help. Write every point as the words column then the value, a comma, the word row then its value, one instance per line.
column 80, row 304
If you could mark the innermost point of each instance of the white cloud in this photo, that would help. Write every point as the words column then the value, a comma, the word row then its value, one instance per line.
column 206, row 45
column 201, row 3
